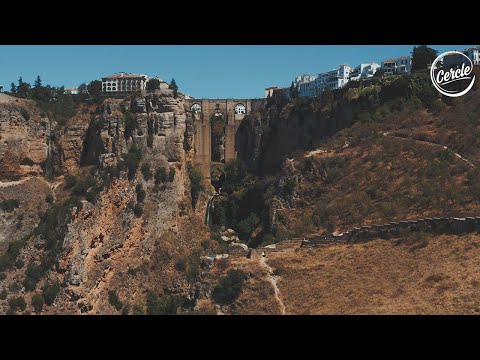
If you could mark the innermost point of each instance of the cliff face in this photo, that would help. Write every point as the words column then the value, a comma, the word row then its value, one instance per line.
column 265, row 137
column 23, row 141
column 106, row 246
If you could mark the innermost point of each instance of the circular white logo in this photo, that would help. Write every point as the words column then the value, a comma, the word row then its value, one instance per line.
column 451, row 73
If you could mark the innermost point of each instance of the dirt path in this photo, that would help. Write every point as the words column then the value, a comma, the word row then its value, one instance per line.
column 12, row 183
column 432, row 144
column 273, row 281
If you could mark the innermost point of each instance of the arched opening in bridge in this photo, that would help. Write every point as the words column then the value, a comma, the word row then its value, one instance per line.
column 196, row 108
column 240, row 109
column 217, row 126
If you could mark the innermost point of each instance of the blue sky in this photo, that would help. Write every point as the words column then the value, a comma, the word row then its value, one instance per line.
column 213, row 71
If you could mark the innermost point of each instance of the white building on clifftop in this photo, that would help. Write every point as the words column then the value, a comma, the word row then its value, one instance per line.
column 124, row 82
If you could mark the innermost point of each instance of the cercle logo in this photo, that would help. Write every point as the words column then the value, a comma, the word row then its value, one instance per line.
column 451, row 73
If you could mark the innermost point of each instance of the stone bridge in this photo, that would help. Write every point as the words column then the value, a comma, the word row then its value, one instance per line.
column 232, row 111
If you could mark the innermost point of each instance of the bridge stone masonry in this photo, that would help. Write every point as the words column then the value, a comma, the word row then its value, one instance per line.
column 233, row 111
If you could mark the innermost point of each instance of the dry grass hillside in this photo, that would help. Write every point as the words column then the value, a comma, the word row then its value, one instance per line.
column 416, row 275
column 403, row 166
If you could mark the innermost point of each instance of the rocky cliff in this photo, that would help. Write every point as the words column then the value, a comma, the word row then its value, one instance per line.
column 126, row 228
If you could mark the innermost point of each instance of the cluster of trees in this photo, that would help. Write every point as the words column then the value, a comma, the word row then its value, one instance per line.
column 154, row 84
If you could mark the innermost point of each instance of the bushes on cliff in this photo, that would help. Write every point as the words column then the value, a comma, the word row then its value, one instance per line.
column 196, row 183
column 131, row 124
column 50, row 292
column 229, row 287
column 37, row 302
column 17, row 303
column 130, row 162
column 9, row 205
column 70, row 181
column 146, row 171
column 247, row 226
column 141, row 194
column 3, row 294
column 171, row 174
column 9, row 258
column 160, row 176
column 114, row 300
column 165, row 305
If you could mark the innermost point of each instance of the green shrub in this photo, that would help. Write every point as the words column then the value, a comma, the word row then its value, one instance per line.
column 146, row 171
column 17, row 303
column 9, row 205
column 49, row 199
column 3, row 294
column 181, row 265
column 246, row 226
column 171, row 174
column 138, row 310
column 131, row 124
column 150, row 140
column 193, row 267
column 196, row 183
column 132, row 160
column 229, row 287
column 19, row 264
column 50, row 292
column 37, row 302
column 160, row 176
column 140, row 193
column 138, row 210
column 289, row 186
column 165, row 305
column 33, row 274
column 25, row 113
column 114, row 300
column 70, row 181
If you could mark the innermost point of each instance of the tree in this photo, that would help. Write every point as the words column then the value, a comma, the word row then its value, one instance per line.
column 17, row 303
column 82, row 88
column 50, row 291
column 173, row 86
column 95, row 88
column 37, row 302
column 422, row 57
column 38, row 82
column 23, row 88
column 379, row 73
column 293, row 91
column 13, row 88
column 152, row 85
column 114, row 300
column 229, row 287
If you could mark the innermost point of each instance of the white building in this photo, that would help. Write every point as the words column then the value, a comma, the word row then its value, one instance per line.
column 473, row 54
column 401, row 65
column 304, row 84
column 72, row 91
column 364, row 71
column 333, row 79
column 269, row 91
column 123, row 82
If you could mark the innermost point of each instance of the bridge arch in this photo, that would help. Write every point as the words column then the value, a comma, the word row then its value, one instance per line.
column 240, row 109
column 196, row 108
column 213, row 138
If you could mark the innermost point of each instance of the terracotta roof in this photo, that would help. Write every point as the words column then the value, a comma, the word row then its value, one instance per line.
column 124, row 76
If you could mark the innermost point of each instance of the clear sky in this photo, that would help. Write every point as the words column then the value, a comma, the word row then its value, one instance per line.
column 213, row 71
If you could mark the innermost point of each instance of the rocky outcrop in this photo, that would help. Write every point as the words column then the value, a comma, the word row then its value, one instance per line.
column 24, row 142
